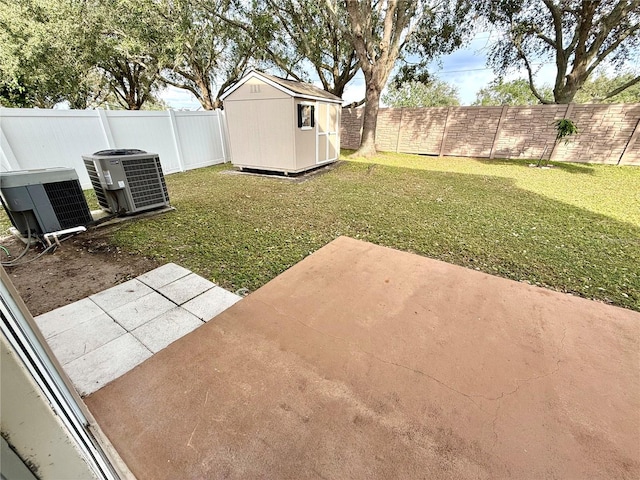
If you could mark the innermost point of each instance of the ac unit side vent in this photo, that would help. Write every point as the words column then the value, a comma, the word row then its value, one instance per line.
column 146, row 182
column 97, row 187
column 68, row 203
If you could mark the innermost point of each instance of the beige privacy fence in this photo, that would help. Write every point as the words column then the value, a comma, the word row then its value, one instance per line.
column 607, row 133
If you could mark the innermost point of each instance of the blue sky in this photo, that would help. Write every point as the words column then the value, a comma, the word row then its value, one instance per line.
column 465, row 68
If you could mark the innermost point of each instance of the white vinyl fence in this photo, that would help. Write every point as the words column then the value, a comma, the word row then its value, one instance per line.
column 38, row 138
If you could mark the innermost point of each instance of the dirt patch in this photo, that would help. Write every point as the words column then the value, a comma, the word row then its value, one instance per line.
column 81, row 266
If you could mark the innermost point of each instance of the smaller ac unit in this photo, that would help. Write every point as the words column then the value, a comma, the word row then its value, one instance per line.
column 43, row 201
column 127, row 181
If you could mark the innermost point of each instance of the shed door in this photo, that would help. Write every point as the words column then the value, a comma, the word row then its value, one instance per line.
column 327, row 132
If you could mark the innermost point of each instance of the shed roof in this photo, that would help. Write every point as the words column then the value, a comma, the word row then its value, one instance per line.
column 291, row 87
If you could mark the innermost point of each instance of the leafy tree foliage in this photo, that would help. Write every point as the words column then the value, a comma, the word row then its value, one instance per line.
column 307, row 33
column 128, row 50
column 577, row 35
column 44, row 53
column 596, row 90
column 517, row 92
column 87, row 53
column 514, row 92
column 383, row 31
column 436, row 93
column 205, row 53
column 295, row 36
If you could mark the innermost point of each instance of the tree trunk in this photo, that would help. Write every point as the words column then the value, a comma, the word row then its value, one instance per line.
column 206, row 98
column 206, row 101
column 572, row 83
column 370, row 121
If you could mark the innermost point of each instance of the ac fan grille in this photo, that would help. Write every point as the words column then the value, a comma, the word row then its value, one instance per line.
column 146, row 181
column 68, row 203
column 97, row 187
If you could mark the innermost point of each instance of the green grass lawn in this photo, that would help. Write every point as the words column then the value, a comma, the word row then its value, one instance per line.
column 573, row 228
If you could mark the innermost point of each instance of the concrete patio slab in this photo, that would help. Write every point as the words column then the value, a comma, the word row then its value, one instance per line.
column 366, row 362
column 137, row 312
column 63, row 318
column 210, row 303
column 163, row 275
column 165, row 329
column 106, row 363
column 85, row 337
column 122, row 294
column 186, row 288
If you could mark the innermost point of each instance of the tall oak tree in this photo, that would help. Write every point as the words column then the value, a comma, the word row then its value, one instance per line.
column 382, row 32
column 577, row 35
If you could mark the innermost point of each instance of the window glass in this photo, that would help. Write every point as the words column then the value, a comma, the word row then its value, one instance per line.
column 306, row 114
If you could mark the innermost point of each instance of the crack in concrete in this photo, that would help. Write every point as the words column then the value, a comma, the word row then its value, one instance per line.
column 519, row 383
column 493, row 426
column 191, row 437
column 189, row 444
column 470, row 397
column 382, row 360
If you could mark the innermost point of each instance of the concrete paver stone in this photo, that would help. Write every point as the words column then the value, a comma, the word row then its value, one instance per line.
column 63, row 318
column 163, row 275
column 211, row 303
column 186, row 288
column 84, row 338
column 133, row 314
column 100, row 338
column 119, row 295
column 156, row 334
column 106, row 363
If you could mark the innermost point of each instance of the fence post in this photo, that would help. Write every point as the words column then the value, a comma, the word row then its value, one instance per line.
column 220, row 117
column 444, row 132
column 176, row 139
column 106, row 128
column 496, row 137
column 567, row 112
column 399, row 130
column 632, row 139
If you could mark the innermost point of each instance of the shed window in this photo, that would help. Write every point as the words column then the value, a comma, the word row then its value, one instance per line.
column 306, row 116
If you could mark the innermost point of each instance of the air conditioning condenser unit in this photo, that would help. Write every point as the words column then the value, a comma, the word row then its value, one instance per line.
column 44, row 200
column 127, row 181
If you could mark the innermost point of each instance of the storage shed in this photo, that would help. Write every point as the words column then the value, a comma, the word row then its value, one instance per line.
column 281, row 125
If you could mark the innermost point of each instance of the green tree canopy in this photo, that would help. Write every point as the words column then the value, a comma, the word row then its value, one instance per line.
column 84, row 52
column 45, row 53
column 578, row 36
column 436, row 93
column 596, row 90
column 208, row 45
column 513, row 92
column 307, row 32
column 128, row 51
column 517, row 92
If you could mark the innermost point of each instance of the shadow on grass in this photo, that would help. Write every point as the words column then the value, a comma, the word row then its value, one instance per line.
column 519, row 162
column 482, row 222
column 566, row 167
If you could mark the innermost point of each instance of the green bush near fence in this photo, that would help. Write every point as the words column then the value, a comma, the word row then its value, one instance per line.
column 573, row 228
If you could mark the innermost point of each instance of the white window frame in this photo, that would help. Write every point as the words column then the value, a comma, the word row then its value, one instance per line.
column 312, row 118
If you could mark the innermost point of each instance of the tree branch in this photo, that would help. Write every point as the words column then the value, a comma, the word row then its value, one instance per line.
column 620, row 89
column 532, row 86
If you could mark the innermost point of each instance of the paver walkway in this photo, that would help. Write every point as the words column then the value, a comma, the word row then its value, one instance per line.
column 364, row 362
column 101, row 337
